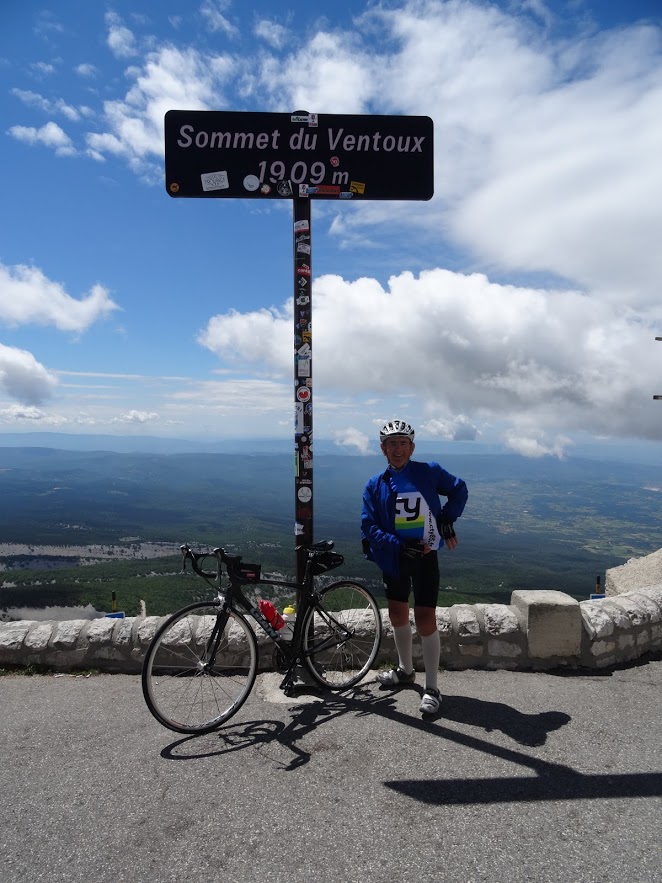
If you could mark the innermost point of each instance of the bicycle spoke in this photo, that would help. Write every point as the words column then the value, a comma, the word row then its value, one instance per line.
column 342, row 635
column 193, row 678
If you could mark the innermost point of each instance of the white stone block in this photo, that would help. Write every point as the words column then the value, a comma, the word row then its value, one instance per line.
column 647, row 604
column 631, row 609
column 67, row 633
column 467, row 621
column 444, row 622
column 619, row 617
column 39, row 636
column 124, row 634
column 553, row 622
column 499, row 619
column 597, row 621
column 624, row 641
column 100, row 630
column 634, row 574
column 13, row 633
column 600, row 647
column 147, row 628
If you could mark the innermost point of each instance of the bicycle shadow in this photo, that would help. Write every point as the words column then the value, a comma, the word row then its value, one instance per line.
column 526, row 729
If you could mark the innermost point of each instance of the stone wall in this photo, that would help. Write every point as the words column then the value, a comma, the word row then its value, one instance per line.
column 537, row 630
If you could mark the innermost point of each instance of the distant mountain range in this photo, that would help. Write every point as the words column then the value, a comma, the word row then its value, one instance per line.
column 632, row 451
column 544, row 523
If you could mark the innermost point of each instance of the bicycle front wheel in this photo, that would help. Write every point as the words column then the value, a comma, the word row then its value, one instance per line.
column 199, row 668
column 341, row 635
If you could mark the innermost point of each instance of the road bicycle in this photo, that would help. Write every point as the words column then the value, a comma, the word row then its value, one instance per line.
column 202, row 662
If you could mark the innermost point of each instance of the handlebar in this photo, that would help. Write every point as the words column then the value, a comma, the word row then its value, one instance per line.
column 233, row 562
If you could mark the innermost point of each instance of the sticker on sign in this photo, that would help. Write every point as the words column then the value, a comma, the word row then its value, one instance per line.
column 214, row 181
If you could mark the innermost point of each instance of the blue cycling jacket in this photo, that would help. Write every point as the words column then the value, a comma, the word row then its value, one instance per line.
column 380, row 541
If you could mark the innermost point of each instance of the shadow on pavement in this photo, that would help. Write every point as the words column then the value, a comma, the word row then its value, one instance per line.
column 552, row 781
column 562, row 783
column 527, row 729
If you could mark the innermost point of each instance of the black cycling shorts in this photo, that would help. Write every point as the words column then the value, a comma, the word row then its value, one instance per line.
column 417, row 575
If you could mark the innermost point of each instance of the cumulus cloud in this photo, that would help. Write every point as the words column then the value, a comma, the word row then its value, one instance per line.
column 23, row 378
column 121, row 40
column 89, row 71
column 170, row 78
column 537, row 166
column 50, row 135
column 271, row 32
column 470, row 351
column 28, row 297
column 547, row 166
column 137, row 417
column 460, row 428
column 353, row 439
column 332, row 73
column 534, row 446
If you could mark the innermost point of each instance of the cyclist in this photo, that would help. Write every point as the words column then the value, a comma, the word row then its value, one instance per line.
column 403, row 523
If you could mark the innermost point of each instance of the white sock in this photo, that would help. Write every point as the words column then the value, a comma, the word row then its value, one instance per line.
column 431, row 653
column 403, row 641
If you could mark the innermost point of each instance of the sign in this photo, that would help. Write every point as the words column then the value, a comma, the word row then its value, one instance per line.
column 281, row 155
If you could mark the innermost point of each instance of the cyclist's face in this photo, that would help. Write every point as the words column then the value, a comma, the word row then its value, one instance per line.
column 398, row 450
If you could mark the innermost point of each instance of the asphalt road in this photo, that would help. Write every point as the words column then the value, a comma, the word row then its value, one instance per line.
column 524, row 777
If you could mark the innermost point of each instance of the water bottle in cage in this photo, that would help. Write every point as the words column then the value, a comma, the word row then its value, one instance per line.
column 289, row 617
column 271, row 615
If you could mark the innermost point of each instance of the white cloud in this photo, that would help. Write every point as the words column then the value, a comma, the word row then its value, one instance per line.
column 170, row 78
column 42, row 69
column 469, row 351
column 352, row 438
column 121, row 40
column 33, row 99
column 332, row 73
column 50, row 135
column 212, row 12
column 89, row 71
column 459, row 428
column 27, row 296
column 23, row 378
column 271, row 32
column 534, row 446
column 138, row 417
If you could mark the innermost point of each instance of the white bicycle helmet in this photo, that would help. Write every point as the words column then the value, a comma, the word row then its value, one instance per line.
column 396, row 427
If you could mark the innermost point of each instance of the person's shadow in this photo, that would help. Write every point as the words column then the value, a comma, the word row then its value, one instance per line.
column 527, row 729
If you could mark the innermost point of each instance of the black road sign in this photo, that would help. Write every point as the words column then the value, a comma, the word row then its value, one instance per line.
column 282, row 155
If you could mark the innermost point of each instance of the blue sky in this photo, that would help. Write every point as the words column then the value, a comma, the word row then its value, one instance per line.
column 520, row 305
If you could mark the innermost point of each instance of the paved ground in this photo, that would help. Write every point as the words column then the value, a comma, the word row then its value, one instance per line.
column 524, row 778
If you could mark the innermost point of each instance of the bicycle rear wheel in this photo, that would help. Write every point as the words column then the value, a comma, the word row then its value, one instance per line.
column 341, row 635
column 199, row 668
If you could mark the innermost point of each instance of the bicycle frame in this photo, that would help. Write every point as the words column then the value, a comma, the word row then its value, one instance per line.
column 202, row 661
column 233, row 598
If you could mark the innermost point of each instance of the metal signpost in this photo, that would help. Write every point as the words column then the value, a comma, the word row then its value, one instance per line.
column 299, row 156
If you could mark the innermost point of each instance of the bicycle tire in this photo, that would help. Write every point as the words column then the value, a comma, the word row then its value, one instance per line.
column 347, row 629
column 182, row 690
